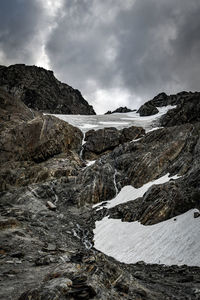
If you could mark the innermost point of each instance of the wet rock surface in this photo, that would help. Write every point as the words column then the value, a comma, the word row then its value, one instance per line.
column 46, row 214
column 103, row 141
column 40, row 90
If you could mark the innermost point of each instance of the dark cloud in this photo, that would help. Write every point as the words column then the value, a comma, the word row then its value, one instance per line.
column 116, row 52
column 19, row 24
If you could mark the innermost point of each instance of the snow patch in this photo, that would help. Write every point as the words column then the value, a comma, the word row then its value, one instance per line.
column 90, row 163
column 175, row 241
column 129, row 193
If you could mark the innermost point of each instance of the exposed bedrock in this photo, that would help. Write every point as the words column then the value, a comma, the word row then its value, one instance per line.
column 102, row 141
column 29, row 139
column 181, row 99
column 39, row 89
column 187, row 111
column 169, row 150
column 147, row 110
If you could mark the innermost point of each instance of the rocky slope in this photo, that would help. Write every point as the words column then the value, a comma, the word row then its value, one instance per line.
column 47, row 219
column 40, row 90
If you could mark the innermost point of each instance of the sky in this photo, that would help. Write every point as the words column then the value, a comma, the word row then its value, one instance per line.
column 116, row 52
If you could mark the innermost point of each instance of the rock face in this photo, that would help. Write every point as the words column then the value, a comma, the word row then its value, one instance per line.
column 119, row 110
column 40, row 90
column 147, row 110
column 28, row 138
column 187, row 111
column 162, row 99
column 103, row 141
column 171, row 150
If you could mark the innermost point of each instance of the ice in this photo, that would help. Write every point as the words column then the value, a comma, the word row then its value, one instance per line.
column 175, row 241
column 129, row 193
column 88, row 126
column 114, row 123
column 118, row 120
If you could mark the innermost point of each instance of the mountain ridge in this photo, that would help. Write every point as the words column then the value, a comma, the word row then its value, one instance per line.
column 39, row 89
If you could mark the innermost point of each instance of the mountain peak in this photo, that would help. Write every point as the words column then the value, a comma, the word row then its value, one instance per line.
column 39, row 89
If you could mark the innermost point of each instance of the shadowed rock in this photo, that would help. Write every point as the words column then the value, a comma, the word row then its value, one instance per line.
column 28, row 138
column 40, row 90
column 120, row 110
column 147, row 110
column 187, row 111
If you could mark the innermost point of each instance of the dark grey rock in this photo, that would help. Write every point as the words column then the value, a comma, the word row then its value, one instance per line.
column 40, row 90
column 120, row 110
column 103, row 141
column 187, row 111
column 147, row 110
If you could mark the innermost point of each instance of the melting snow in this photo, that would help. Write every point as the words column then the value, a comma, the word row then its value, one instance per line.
column 175, row 241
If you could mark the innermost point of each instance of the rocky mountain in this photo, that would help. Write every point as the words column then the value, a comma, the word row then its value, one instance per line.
column 119, row 110
column 39, row 89
column 162, row 99
column 60, row 212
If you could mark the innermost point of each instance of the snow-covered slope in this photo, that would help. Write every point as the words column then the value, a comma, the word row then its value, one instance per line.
column 175, row 241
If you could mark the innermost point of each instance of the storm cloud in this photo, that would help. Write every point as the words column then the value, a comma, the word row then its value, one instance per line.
column 116, row 52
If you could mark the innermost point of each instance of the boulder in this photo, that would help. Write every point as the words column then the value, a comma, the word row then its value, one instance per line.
column 103, row 141
column 147, row 110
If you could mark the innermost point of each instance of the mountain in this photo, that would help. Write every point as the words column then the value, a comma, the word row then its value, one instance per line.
column 39, row 89
column 183, row 101
column 119, row 110
column 111, row 213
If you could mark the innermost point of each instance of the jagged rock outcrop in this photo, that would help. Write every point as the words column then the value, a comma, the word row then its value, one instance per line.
column 162, row 99
column 187, row 111
column 28, row 138
column 102, row 141
column 39, row 89
column 120, row 110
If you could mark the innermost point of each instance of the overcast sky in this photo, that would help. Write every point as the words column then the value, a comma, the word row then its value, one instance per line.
column 116, row 52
